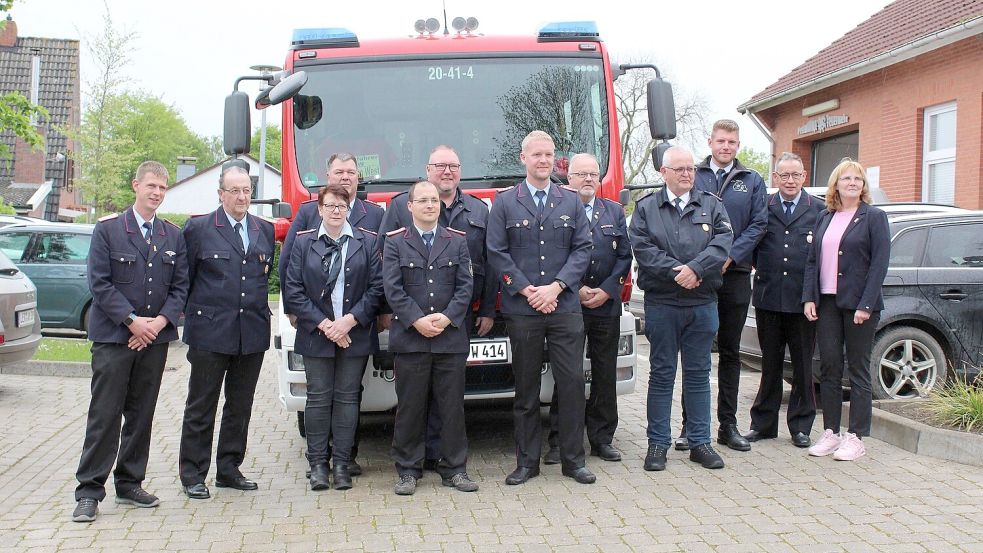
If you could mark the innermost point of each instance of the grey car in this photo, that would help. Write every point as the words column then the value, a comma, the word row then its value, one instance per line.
column 931, row 328
column 20, row 326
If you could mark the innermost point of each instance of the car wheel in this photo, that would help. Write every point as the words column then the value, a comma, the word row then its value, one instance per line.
column 300, row 424
column 906, row 362
column 85, row 319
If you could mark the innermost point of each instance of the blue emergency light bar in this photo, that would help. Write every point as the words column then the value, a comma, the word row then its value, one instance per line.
column 569, row 31
column 326, row 37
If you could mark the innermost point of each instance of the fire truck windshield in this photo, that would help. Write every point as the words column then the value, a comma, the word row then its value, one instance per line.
column 391, row 114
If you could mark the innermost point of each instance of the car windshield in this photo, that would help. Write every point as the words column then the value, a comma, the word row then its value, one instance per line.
column 391, row 114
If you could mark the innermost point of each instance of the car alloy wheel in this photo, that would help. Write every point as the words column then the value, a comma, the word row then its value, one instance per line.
column 906, row 362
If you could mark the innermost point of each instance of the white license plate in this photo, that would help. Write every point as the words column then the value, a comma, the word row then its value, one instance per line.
column 24, row 318
column 492, row 351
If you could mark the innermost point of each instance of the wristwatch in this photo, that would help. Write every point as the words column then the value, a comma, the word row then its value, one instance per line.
column 563, row 285
column 130, row 319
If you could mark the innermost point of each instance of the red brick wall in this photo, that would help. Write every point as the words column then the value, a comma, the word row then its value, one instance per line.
column 887, row 107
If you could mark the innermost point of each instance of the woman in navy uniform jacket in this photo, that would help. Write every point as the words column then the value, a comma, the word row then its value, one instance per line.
column 842, row 291
column 334, row 286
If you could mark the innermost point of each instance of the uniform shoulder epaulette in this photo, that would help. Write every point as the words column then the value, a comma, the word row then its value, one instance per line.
column 395, row 232
column 109, row 217
column 308, row 231
column 196, row 215
column 170, row 223
column 455, row 231
column 367, row 231
column 712, row 194
column 308, row 201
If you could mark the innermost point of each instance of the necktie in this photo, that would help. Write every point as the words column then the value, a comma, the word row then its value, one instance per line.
column 238, row 228
column 148, row 231
column 721, row 175
column 678, row 202
column 788, row 207
column 589, row 211
column 428, row 240
column 332, row 260
column 540, row 201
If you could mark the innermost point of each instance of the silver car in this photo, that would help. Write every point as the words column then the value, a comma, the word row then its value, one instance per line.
column 20, row 326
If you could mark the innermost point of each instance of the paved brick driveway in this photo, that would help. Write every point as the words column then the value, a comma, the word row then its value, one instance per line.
column 772, row 499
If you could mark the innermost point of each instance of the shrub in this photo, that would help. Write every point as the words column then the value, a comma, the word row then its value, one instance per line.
column 959, row 404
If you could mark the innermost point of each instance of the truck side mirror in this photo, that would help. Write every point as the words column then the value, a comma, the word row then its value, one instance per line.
column 237, row 128
column 624, row 197
column 282, row 210
column 658, row 153
column 287, row 88
column 661, row 110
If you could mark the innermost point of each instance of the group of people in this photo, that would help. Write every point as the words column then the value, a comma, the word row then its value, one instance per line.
column 430, row 269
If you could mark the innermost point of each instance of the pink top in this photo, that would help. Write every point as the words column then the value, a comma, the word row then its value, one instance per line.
column 829, row 261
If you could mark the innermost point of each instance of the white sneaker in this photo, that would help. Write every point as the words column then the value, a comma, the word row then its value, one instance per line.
column 826, row 445
column 851, row 448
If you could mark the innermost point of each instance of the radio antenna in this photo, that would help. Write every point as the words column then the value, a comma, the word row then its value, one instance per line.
column 446, row 32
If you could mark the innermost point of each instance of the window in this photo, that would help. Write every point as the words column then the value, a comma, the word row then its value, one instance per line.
column 60, row 247
column 13, row 245
column 955, row 246
column 906, row 249
column 939, row 155
column 827, row 154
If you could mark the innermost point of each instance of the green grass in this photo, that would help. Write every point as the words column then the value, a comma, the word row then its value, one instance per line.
column 958, row 404
column 274, row 297
column 62, row 349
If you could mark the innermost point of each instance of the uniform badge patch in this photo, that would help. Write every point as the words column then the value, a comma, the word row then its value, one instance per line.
column 507, row 279
column 614, row 245
column 706, row 227
column 738, row 186
column 809, row 238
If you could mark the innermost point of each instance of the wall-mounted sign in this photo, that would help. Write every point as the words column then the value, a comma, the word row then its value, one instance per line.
column 820, row 124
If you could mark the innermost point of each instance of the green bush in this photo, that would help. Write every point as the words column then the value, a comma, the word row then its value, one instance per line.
column 274, row 285
column 177, row 218
column 959, row 404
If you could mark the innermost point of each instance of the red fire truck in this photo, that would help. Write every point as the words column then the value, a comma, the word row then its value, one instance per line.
column 390, row 102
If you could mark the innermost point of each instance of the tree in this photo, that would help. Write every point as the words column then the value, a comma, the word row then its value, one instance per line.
column 753, row 159
column 273, row 145
column 636, row 142
column 17, row 114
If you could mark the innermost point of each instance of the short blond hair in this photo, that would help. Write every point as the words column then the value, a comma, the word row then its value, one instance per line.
column 727, row 125
column 154, row 168
column 536, row 135
column 833, row 201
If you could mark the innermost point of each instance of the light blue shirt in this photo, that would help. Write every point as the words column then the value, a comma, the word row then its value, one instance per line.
column 338, row 294
column 590, row 212
column 141, row 221
column 422, row 232
column 795, row 201
column 533, row 190
column 242, row 230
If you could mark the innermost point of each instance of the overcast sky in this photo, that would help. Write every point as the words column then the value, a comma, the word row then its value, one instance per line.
column 189, row 53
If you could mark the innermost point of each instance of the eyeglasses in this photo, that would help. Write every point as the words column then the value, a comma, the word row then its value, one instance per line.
column 238, row 191
column 427, row 201
column 785, row 177
column 585, row 176
column 454, row 167
column 682, row 170
column 336, row 208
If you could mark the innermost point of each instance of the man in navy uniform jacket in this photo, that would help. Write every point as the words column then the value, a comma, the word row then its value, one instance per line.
column 138, row 275
column 539, row 245
column 428, row 284
column 227, row 329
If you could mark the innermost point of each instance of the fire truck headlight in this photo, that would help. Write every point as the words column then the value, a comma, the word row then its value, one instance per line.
column 459, row 23
column 420, row 26
column 471, row 24
column 433, row 25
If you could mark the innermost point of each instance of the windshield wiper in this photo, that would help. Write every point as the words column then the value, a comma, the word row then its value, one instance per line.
column 389, row 181
column 512, row 178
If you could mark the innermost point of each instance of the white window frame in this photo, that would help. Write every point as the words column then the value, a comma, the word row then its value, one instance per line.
column 930, row 158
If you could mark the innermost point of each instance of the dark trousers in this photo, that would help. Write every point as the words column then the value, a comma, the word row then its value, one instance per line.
column 433, row 410
column 125, row 385
column 420, row 377
column 332, row 406
column 601, row 413
column 776, row 330
column 835, row 331
column 733, row 300
column 563, row 333
column 209, row 371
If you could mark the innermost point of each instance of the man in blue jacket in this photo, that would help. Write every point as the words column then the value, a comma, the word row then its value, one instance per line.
column 227, row 329
column 138, row 275
column 743, row 193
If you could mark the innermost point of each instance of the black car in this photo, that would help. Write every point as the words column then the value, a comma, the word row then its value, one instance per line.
column 931, row 328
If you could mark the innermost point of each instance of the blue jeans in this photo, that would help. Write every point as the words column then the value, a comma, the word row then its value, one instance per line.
column 687, row 332
column 332, row 405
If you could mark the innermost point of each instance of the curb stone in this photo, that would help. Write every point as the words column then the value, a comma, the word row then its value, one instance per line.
column 922, row 439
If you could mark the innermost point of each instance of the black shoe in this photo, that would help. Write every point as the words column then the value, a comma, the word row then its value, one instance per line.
column 354, row 468
column 606, row 452
column 552, row 456
column 729, row 436
column 342, row 477
column 406, row 485
column 801, row 439
column 706, row 456
column 655, row 459
column 754, row 436
column 582, row 475
column 137, row 497
column 197, row 491
column 521, row 475
column 682, row 443
column 461, row 482
column 430, row 464
column 86, row 510
column 319, row 477
column 237, row 483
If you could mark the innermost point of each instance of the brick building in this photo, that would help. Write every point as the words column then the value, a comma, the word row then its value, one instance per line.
column 45, row 71
column 902, row 93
